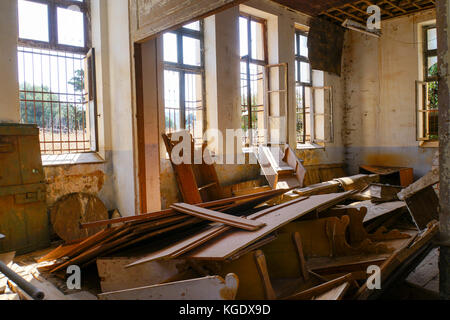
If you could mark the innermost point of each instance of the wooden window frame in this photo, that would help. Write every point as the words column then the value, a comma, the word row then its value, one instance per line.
column 184, row 69
column 298, row 83
column 248, row 60
column 423, row 123
column 53, row 44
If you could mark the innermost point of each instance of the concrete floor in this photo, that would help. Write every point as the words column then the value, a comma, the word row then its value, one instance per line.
column 421, row 284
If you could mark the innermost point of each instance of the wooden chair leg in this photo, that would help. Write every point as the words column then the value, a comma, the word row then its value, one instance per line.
column 264, row 274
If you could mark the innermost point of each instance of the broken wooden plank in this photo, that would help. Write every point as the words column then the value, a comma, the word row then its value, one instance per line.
column 336, row 293
column 321, row 289
column 242, row 223
column 184, row 174
column 114, row 276
column 229, row 243
column 197, row 240
column 208, row 288
column 234, row 202
column 375, row 210
column 430, row 179
column 423, row 206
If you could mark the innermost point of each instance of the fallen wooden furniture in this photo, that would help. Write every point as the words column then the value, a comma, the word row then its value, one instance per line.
column 208, row 288
column 282, row 168
column 132, row 231
column 422, row 200
column 397, row 176
column 226, row 242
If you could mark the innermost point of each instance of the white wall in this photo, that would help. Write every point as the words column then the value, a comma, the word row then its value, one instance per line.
column 380, row 102
column 121, row 110
column 9, row 90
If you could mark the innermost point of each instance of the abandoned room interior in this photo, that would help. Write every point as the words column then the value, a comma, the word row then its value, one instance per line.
column 224, row 150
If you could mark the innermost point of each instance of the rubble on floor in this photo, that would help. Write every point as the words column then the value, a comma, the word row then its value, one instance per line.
column 316, row 242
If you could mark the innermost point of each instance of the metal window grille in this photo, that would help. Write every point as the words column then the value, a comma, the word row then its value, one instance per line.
column 57, row 79
column 253, row 38
column 184, row 85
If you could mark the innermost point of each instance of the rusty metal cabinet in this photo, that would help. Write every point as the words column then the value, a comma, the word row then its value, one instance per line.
column 23, row 211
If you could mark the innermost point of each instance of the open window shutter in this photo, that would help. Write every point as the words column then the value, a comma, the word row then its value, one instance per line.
column 323, row 114
column 90, row 86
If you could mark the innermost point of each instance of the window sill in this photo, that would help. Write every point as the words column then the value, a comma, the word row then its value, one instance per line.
column 71, row 159
column 429, row 144
column 309, row 146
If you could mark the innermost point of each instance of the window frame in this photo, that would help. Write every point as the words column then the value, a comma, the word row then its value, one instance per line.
column 184, row 69
column 298, row 83
column 423, row 122
column 87, row 51
column 248, row 60
column 428, row 53
column 52, row 44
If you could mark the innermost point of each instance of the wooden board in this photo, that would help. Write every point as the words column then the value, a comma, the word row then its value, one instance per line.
column 208, row 288
column 336, row 293
column 184, row 174
column 375, row 210
column 198, row 239
column 229, row 243
column 71, row 210
column 216, row 216
column 114, row 276
column 423, row 206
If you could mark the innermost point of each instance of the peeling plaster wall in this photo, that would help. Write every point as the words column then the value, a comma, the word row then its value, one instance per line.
column 380, row 75
column 87, row 178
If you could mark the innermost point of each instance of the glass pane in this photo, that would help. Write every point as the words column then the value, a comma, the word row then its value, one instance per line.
column 194, row 105
column 303, row 46
column 170, row 47
column 191, row 51
column 172, row 100
column 33, row 21
column 297, row 77
column 193, row 26
column 70, row 27
column 432, row 66
column 305, row 72
column 432, row 39
column 257, row 41
column 243, row 36
column 296, row 44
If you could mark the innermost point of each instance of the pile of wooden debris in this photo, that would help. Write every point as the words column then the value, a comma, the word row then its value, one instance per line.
column 323, row 241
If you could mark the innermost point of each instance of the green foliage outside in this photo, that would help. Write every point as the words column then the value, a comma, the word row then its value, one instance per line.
column 39, row 106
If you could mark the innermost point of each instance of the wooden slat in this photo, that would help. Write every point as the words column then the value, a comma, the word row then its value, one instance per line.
column 321, row 289
column 335, row 293
column 234, row 201
column 197, row 240
column 228, row 244
column 215, row 216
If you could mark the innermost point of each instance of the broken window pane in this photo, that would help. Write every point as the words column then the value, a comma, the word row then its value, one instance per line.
column 33, row 21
